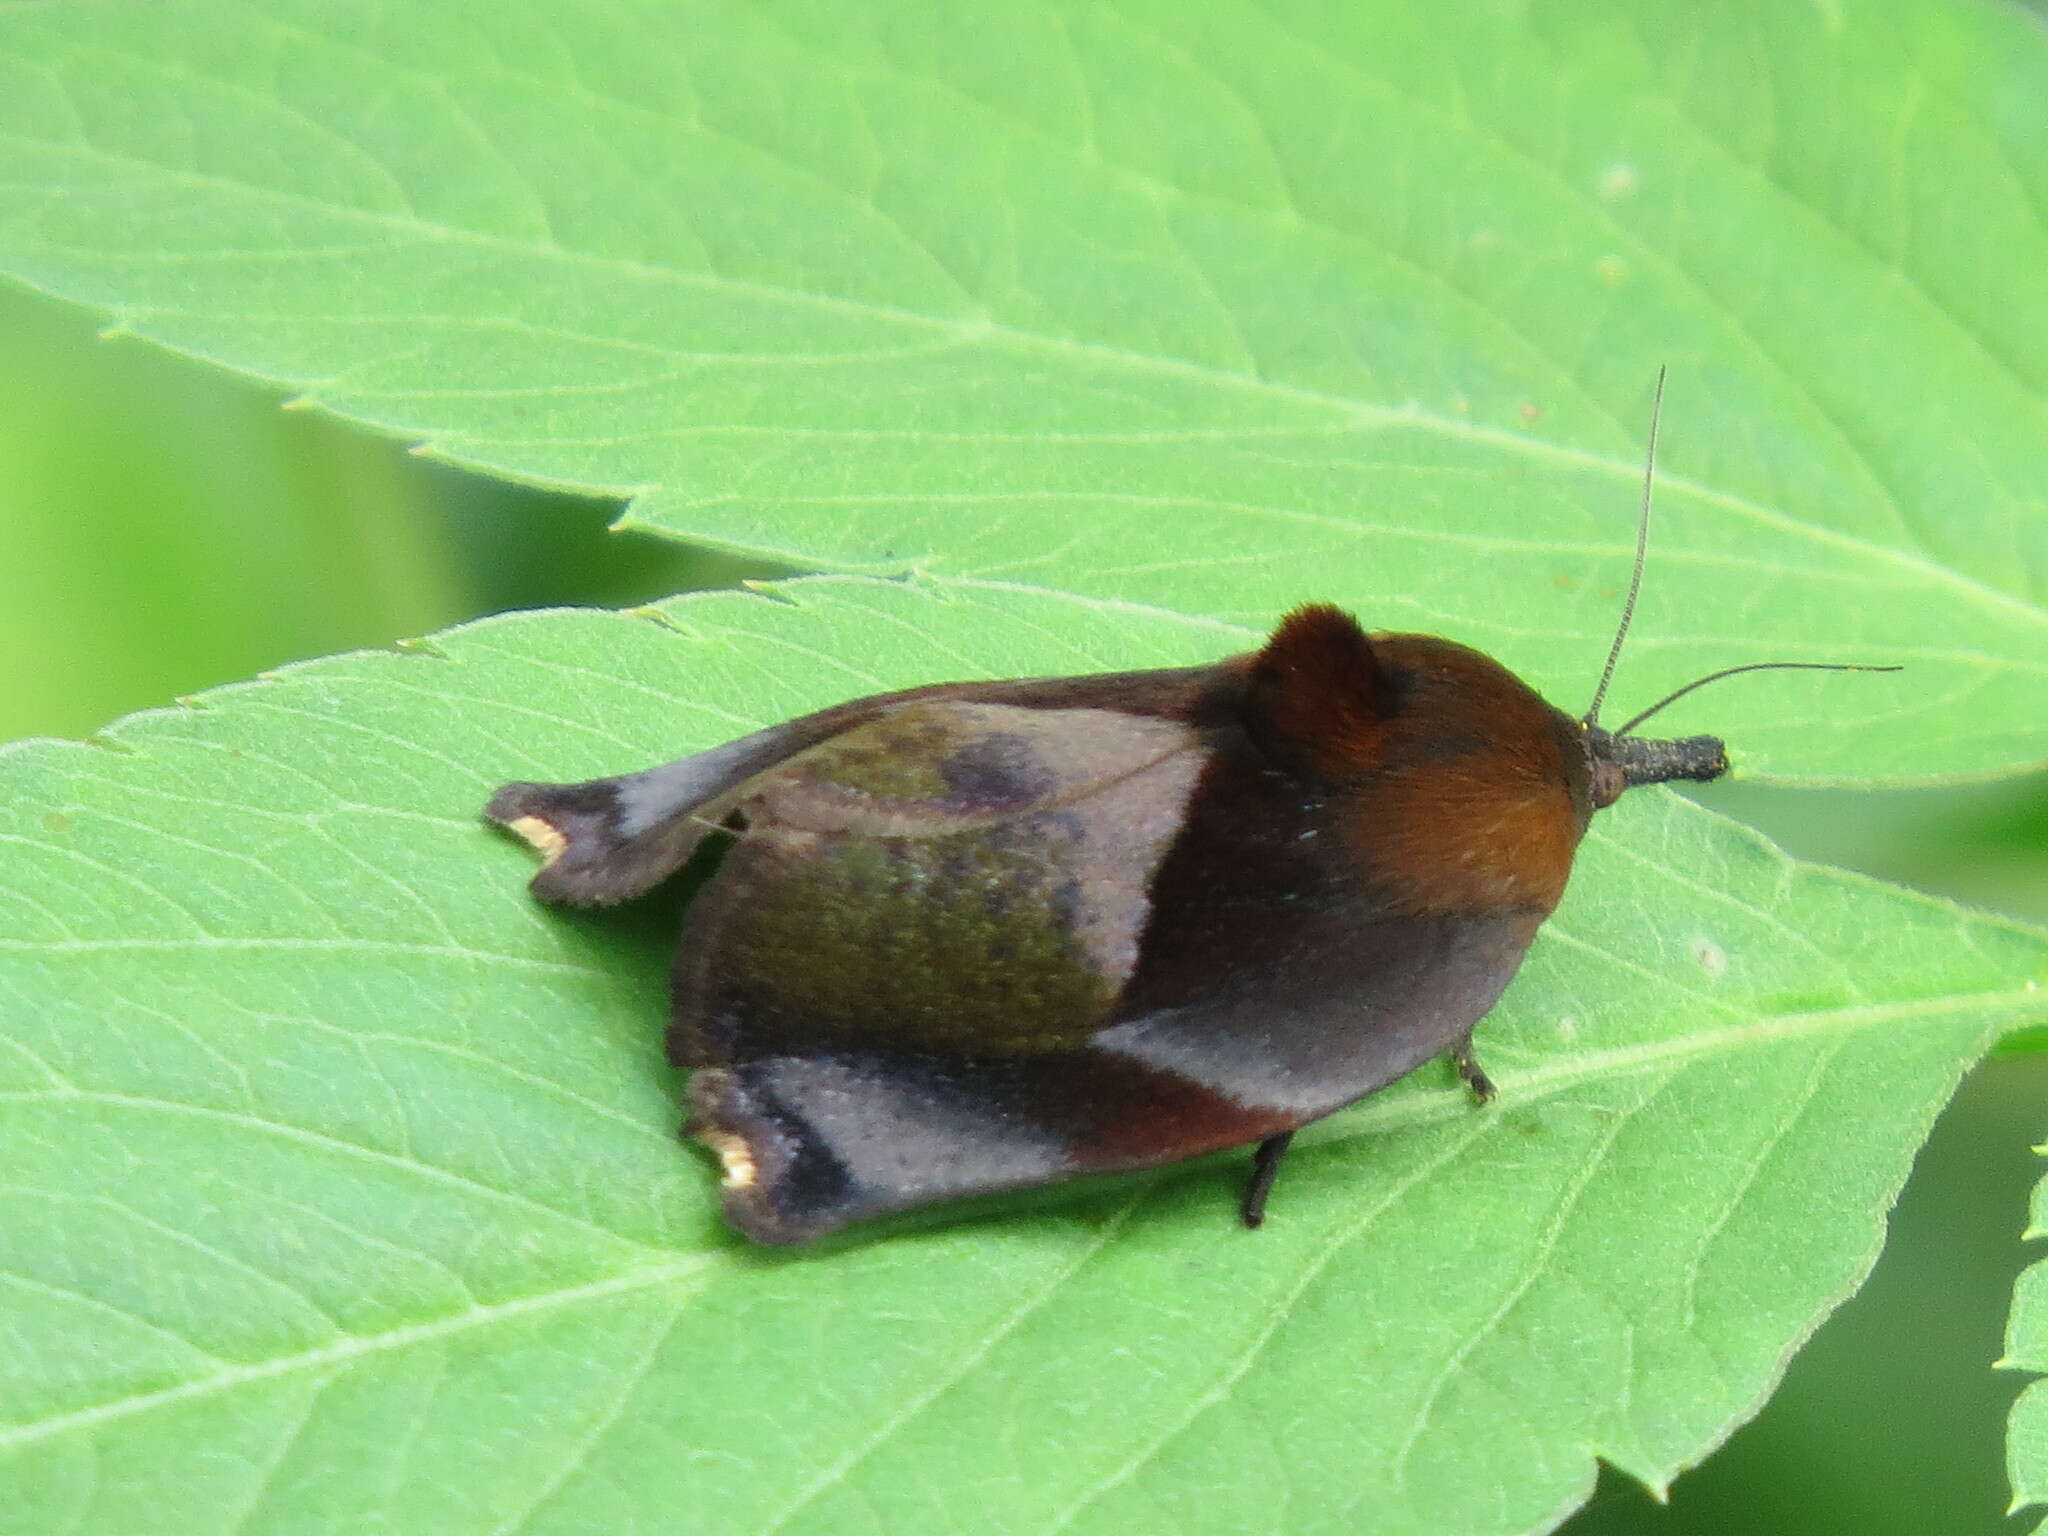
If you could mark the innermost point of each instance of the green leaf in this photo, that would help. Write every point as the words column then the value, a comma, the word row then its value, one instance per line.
column 342, row 1190
column 2026, row 1348
column 1359, row 301
column 343, row 1193
column 131, row 482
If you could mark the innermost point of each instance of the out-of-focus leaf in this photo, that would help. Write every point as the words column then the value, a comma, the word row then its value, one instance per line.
column 139, row 497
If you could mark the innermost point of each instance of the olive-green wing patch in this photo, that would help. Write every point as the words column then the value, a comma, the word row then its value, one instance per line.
column 964, row 877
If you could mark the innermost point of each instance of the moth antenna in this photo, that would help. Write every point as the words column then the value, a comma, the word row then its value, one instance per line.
column 1754, row 666
column 1635, row 579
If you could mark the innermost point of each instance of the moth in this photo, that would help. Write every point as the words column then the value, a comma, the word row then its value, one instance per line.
column 983, row 935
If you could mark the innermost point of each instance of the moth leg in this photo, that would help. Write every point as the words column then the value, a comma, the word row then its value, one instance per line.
column 1265, row 1169
column 1471, row 1072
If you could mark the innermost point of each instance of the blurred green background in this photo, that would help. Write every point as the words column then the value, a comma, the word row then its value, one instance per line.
column 177, row 530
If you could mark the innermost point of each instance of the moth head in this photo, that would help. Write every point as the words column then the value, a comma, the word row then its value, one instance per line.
column 1618, row 760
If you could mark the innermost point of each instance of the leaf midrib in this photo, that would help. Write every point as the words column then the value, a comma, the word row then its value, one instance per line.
column 1371, row 1119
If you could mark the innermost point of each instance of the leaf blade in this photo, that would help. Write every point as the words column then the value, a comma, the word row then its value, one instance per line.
column 1278, row 285
column 570, row 1341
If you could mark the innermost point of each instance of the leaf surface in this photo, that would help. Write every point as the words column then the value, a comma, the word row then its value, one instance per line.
column 343, row 1190
column 1210, row 311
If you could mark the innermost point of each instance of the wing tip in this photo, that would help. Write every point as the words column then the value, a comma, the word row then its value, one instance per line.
column 516, row 808
column 573, row 836
column 587, row 858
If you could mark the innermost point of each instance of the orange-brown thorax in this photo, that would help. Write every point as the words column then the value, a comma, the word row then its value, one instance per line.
column 1458, row 787
column 1481, row 790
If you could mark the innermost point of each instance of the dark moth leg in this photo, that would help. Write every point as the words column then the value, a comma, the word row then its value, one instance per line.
column 1474, row 1075
column 1266, row 1160
column 1265, row 1169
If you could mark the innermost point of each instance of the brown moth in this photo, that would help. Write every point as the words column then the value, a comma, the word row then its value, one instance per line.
column 981, row 935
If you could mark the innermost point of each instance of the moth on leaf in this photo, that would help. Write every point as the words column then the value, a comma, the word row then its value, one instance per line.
column 976, row 936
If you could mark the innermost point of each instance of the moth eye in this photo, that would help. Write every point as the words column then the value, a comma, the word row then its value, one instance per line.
column 1608, row 783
